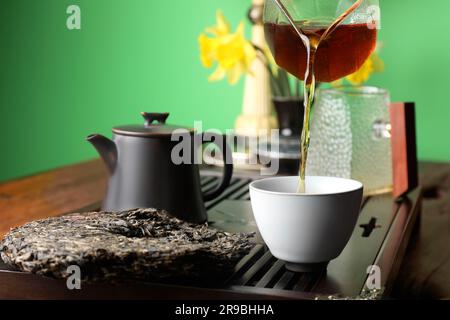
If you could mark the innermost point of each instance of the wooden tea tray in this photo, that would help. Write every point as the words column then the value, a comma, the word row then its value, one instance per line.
column 380, row 238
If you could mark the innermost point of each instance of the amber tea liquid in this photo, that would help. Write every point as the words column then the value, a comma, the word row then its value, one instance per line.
column 342, row 53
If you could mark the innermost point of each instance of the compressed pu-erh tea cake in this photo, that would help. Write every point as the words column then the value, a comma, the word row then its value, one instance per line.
column 141, row 244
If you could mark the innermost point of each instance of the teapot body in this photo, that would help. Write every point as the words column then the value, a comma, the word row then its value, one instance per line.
column 145, row 176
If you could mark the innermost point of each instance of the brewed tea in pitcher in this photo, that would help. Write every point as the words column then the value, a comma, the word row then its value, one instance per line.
column 340, row 54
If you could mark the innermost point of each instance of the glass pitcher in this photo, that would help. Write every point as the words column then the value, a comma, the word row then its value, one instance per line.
column 350, row 137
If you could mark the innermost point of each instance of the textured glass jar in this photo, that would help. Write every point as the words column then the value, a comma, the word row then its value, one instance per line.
column 350, row 137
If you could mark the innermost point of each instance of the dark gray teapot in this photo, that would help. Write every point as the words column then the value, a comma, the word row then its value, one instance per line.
column 144, row 175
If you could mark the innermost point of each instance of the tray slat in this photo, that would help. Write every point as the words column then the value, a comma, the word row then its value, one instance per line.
column 254, row 269
column 271, row 275
column 286, row 280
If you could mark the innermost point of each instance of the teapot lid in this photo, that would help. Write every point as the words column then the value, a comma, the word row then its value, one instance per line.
column 150, row 128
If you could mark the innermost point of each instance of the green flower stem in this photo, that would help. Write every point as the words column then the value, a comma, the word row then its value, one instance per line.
column 279, row 82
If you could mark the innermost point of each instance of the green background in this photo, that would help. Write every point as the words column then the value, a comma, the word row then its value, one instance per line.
column 57, row 86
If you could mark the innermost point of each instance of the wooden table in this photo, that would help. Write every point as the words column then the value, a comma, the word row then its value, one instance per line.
column 424, row 273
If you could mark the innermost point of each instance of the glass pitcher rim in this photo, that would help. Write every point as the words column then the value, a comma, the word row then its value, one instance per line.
column 354, row 90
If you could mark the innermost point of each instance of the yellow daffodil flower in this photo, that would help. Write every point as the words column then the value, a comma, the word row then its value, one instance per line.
column 232, row 53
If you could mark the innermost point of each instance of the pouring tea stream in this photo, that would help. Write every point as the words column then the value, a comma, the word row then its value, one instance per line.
column 311, row 42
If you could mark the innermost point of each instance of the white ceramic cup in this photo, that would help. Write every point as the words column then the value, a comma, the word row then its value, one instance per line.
column 306, row 230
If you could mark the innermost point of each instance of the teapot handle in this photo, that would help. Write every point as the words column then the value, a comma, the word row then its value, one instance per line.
column 221, row 142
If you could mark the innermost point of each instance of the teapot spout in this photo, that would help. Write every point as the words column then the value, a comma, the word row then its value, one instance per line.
column 106, row 148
